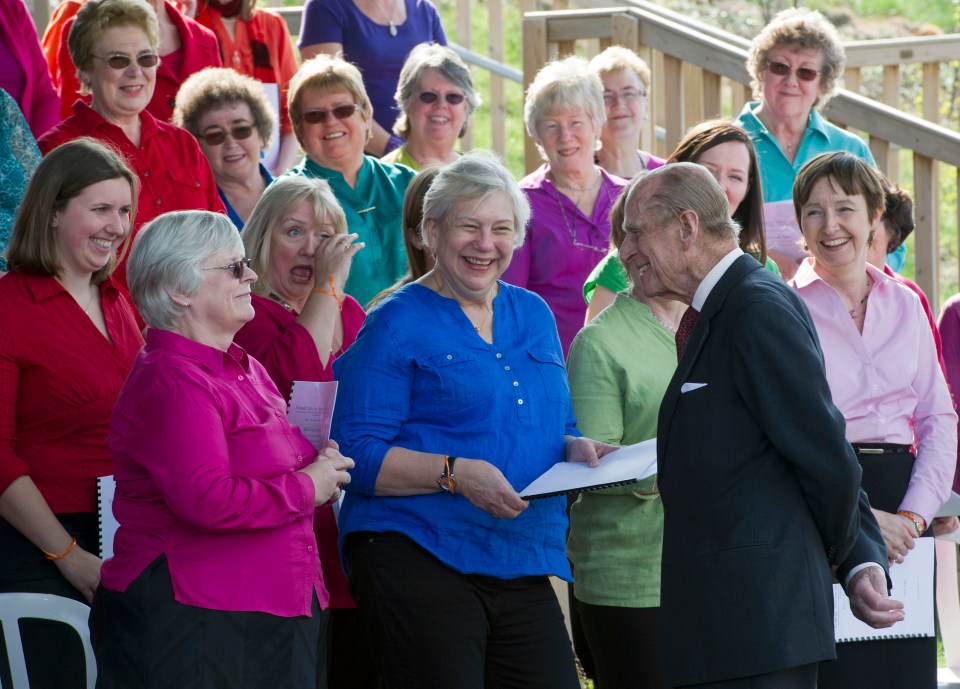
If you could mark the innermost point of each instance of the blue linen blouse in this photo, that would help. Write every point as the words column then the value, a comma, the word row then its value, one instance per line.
column 419, row 377
column 231, row 211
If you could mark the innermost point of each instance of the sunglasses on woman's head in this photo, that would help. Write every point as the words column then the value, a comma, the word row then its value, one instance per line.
column 341, row 112
column 237, row 267
column 118, row 61
column 217, row 137
column 803, row 73
column 453, row 98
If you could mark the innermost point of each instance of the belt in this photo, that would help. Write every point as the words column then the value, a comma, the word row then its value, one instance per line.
column 880, row 449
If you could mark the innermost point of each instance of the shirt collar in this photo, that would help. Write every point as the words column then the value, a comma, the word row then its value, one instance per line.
column 806, row 275
column 90, row 120
column 713, row 277
column 210, row 358
column 43, row 287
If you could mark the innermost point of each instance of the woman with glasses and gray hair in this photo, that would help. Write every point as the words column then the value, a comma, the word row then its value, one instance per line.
column 436, row 98
column 216, row 490
column 233, row 122
column 332, row 118
column 114, row 44
column 796, row 63
column 466, row 404
column 571, row 196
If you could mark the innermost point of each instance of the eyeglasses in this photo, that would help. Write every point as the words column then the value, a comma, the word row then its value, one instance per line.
column 237, row 267
column 803, row 73
column 626, row 96
column 217, row 137
column 453, row 98
column 118, row 61
column 341, row 112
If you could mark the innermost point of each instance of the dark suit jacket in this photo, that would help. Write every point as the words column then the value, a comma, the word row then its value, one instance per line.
column 760, row 489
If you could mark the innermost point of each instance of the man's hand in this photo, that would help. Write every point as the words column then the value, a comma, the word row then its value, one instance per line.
column 869, row 601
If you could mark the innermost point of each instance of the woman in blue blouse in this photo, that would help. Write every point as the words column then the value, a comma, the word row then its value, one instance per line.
column 453, row 397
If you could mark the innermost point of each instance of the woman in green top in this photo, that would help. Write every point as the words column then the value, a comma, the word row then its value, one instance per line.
column 725, row 149
column 619, row 366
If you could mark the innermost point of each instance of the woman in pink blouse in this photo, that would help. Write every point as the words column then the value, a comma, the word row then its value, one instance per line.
column 297, row 241
column 884, row 376
column 215, row 574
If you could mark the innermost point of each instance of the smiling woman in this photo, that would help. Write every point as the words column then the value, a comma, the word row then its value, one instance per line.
column 67, row 343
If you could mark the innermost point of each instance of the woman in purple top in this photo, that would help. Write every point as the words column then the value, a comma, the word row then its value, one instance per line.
column 215, row 574
column 376, row 36
column 23, row 71
column 571, row 196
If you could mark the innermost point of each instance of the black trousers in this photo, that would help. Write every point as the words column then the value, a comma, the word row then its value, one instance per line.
column 144, row 639
column 889, row 663
column 801, row 677
column 434, row 628
column 53, row 651
column 625, row 645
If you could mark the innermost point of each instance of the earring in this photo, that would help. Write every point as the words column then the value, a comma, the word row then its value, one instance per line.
column 186, row 303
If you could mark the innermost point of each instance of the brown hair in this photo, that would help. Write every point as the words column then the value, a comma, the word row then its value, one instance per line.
column 95, row 17
column 849, row 172
column 62, row 175
column 749, row 214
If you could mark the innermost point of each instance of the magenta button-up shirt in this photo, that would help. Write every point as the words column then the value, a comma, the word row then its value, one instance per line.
column 887, row 381
column 206, row 469
column 562, row 247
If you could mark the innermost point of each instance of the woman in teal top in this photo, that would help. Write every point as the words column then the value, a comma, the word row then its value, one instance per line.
column 725, row 149
column 619, row 366
column 332, row 116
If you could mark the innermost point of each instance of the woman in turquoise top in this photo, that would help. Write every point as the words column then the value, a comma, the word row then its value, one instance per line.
column 795, row 63
column 19, row 157
column 725, row 149
column 332, row 116
column 619, row 367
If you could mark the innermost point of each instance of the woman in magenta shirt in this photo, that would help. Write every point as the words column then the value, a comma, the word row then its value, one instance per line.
column 216, row 490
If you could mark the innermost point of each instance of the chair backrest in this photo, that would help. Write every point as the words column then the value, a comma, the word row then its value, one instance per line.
column 16, row 606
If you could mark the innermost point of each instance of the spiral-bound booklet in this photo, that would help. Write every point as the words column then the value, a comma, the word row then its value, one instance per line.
column 627, row 465
column 107, row 522
column 912, row 586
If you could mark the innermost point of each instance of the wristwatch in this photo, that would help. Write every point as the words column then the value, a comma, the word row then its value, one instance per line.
column 448, row 480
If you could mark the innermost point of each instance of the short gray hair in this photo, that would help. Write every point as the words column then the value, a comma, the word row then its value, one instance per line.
column 474, row 176
column 679, row 187
column 565, row 84
column 278, row 198
column 166, row 259
column 448, row 64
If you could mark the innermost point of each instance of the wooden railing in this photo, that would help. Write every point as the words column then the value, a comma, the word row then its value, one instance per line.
column 699, row 74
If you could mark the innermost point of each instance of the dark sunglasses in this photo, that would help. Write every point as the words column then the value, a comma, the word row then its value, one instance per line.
column 145, row 60
column 341, row 112
column 218, row 137
column 237, row 267
column 803, row 73
column 453, row 98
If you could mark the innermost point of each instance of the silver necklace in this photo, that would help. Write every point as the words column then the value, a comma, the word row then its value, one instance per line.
column 572, row 229
column 853, row 311
column 389, row 18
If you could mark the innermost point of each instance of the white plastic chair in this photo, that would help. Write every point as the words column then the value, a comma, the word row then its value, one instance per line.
column 16, row 606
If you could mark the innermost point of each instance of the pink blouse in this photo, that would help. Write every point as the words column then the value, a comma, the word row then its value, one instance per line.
column 887, row 381
column 206, row 466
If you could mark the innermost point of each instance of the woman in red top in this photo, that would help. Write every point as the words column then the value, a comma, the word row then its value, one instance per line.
column 67, row 341
column 114, row 45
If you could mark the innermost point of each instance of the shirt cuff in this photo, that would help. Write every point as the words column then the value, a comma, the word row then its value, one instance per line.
column 859, row 568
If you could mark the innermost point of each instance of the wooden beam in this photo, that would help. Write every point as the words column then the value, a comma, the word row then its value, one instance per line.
column 891, row 96
column 497, row 105
column 926, row 237
column 712, row 100
column 534, row 57
column 673, row 100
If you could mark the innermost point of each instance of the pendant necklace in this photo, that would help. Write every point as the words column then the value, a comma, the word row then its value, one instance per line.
column 572, row 229
column 389, row 18
column 853, row 311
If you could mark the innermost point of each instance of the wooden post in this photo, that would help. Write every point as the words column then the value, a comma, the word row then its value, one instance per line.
column 926, row 240
column 692, row 95
column 498, row 106
column 534, row 57
column 891, row 96
column 673, row 100
column 465, row 39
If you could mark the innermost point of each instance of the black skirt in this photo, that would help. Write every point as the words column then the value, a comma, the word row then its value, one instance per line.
column 888, row 663
column 144, row 639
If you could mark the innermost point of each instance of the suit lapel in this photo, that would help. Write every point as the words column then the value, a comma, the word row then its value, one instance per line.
column 735, row 273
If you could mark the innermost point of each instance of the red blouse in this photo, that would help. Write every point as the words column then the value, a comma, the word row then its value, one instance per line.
column 174, row 174
column 288, row 352
column 59, row 379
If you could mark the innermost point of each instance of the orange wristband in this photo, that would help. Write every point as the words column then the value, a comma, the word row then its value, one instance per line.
column 331, row 292
column 63, row 555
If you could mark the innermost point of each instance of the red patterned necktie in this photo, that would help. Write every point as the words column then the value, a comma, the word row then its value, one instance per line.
column 685, row 330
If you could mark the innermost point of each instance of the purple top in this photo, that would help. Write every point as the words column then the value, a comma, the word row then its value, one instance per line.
column 31, row 86
column 370, row 46
column 949, row 324
column 207, row 469
column 562, row 247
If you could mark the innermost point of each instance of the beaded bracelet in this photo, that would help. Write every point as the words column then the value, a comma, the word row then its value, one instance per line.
column 332, row 292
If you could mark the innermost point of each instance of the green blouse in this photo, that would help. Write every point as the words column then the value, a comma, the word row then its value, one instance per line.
column 619, row 367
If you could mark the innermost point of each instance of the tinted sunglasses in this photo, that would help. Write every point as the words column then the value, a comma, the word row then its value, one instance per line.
column 216, row 138
column 145, row 60
column 803, row 73
column 341, row 112
column 453, row 98
column 237, row 267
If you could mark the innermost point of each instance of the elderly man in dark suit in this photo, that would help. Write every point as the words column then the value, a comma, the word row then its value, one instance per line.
column 761, row 492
